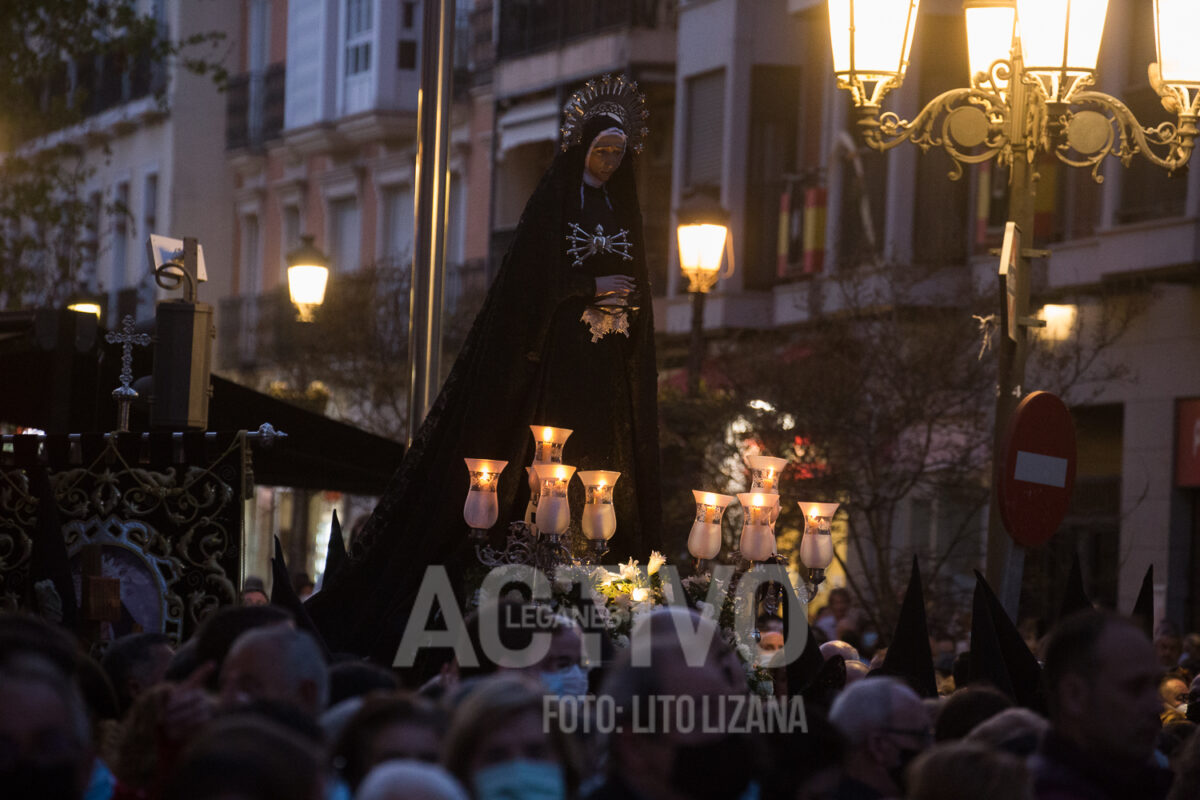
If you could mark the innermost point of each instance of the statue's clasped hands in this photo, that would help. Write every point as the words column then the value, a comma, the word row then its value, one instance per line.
column 621, row 285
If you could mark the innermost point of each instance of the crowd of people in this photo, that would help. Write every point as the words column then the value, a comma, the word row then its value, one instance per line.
column 253, row 708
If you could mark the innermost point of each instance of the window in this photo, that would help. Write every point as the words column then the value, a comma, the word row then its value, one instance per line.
column 406, row 54
column 410, row 13
column 705, row 130
column 120, row 235
column 251, row 283
column 358, row 36
column 774, row 112
column 345, row 234
column 397, row 225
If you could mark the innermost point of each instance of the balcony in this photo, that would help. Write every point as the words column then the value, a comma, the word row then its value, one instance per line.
column 254, row 108
column 529, row 26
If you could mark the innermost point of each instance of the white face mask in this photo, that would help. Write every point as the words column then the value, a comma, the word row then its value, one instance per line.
column 570, row 681
column 528, row 780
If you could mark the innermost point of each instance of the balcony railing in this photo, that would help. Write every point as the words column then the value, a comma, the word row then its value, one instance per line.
column 527, row 26
column 254, row 107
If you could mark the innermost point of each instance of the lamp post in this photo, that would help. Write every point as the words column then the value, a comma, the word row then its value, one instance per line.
column 308, row 273
column 1033, row 63
column 703, row 239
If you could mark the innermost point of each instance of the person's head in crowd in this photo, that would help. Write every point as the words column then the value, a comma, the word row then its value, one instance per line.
column 1015, row 730
column 388, row 727
column 222, row 628
column 954, row 770
column 137, row 763
column 44, row 732
column 254, row 592
column 663, row 761
column 244, row 757
column 499, row 745
column 98, row 692
column 1168, row 647
column 561, row 669
column 302, row 585
column 515, row 624
column 840, row 602
column 278, row 663
column 398, row 780
column 1101, row 677
column 356, row 678
column 1191, row 652
column 886, row 727
column 136, row 662
column 1174, row 694
column 837, row 647
column 770, row 622
column 22, row 635
column 962, row 711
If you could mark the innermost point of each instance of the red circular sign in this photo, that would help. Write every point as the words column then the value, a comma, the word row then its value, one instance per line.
column 1037, row 474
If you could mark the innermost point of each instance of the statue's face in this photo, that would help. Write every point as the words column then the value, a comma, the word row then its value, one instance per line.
column 605, row 154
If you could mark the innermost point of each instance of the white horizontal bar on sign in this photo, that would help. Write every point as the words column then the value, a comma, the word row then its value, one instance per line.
column 1038, row 468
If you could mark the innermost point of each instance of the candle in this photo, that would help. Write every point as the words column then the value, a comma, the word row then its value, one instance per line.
column 816, row 545
column 599, row 521
column 704, row 540
column 481, row 509
column 553, row 514
column 757, row 540
column 548, row 443
column 765, row 472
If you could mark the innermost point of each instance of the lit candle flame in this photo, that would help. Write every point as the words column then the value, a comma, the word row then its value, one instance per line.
column 560, row 473
column 710, row 499
column 547, row 434
column 758, row 500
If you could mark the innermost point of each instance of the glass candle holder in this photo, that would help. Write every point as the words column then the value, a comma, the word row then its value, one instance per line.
column 553, row 514
column 704, row 540
column 757, row 541
column 599, row 518
column 482, row 508
column 816, row 545
column 548, row 443
column 765, row 472
column 535, row 488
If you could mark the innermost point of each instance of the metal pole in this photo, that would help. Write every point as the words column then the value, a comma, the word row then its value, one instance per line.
column 696, row 348
column 430, row 201
column 1005, row 559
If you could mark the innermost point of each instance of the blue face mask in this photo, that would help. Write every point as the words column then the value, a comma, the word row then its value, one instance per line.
column 521, row 780
column 570, row 681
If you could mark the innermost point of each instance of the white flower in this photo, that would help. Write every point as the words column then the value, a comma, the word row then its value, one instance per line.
column 657, row 559
column 668, row 592
column 745, row 654
column 629, row 570
column 622, row 641
column 639, row 595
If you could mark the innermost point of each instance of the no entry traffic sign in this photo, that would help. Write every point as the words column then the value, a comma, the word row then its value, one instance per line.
column 1037, row 469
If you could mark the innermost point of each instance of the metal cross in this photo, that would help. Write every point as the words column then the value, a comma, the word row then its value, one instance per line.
column 126, row 394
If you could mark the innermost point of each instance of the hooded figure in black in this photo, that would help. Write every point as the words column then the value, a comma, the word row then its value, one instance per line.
column 565, row 338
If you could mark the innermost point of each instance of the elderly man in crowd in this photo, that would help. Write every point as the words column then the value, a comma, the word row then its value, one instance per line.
column 276, row 663
column 1101, row 676
column 885, row 726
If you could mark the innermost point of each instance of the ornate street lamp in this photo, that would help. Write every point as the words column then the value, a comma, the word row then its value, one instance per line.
column 308, row 273
column 703, row 241
column 1028, row 94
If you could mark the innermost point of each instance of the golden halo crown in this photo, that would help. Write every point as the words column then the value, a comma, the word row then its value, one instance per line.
column 616, row 96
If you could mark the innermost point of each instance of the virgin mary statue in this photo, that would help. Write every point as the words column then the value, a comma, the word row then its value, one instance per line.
column 565, row 338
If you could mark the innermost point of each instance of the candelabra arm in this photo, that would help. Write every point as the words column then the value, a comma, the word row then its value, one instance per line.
column 1098, row 125
column 970, row 124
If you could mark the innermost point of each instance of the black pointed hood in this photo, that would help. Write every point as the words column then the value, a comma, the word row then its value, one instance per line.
column 282, row 594
column 908, row 656
column 1074, row 595
column 999, row 654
